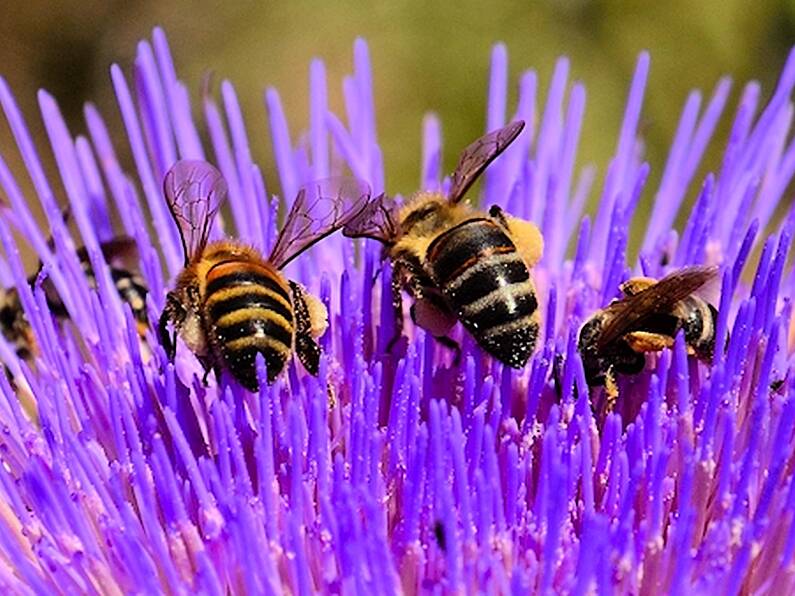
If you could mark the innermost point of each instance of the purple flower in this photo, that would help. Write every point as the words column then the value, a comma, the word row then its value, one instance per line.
column 402, row 472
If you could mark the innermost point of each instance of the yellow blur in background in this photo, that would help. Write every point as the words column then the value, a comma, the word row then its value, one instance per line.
column 426, row 56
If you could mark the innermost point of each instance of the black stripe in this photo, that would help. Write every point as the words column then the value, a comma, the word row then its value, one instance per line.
column 243, row 364
column 118, row 275
column 514, row 348
column 705, row 346
column 660, row 323
column 132, row 293
column 411, row 260
column 451, row 250
column 488, row 279
column 691, row 312
column 245, row 277
column 135, row 291
column 255, row 327
column 435, row 299
column 250, row 300
column 503, row 309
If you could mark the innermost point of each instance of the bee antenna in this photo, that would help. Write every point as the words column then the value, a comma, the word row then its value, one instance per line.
column 207, row 84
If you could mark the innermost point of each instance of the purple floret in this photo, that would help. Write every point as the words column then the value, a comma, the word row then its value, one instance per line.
column 402, row 472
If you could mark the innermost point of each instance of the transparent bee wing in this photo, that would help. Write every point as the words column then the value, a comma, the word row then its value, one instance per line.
column 710, row 291
column 376, row 221
column 320, row 208
column 195, row 191
column 630, row 312
column 478, row 156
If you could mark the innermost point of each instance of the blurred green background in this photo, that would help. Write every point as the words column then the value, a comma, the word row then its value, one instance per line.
column 426, row 56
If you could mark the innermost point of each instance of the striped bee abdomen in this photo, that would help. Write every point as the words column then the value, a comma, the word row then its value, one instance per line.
column 487, row 283
column 130, row 286
column 693, row 316
column 14, row 325
column 248, row 311
column 698, row 319
column 132, row 290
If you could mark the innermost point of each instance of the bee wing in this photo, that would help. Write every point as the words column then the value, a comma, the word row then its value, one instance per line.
column 478, row 156
column 376, row 220
column 121, row 251
column 195, row 191
column 710, row 291
column 320, row 209
column 629, row 312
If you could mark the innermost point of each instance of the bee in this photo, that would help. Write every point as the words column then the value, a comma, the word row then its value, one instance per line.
column 120, row 254
column 14, row 325
column 459, row 264
column 647, row 319
column 230, row 303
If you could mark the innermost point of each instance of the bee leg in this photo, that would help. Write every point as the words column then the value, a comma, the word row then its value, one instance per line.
column 209, row 367
column 306, row 348
column 557, row 366
column 452, row 344
column 432, row 314
column 611, row 390
column 644, row 341
column 406, row 267
column 141, row 328
column 308, row 352
column 397, row 305
column 175, row 312
column 165, row 337
column 167, row 340
column 10, row 376
column 332, row 396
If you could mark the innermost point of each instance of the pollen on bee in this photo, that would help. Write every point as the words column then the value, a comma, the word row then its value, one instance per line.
column 193, row 335
column 318, row 315
column 527, row 238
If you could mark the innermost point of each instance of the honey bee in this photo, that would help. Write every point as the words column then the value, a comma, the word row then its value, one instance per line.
column 459, row 264
column 647, row 319
column 120, row 254
column 230, row 303
column 14, row 325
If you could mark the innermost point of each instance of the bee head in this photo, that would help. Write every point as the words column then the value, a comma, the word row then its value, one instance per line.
column 424, row 214
column 12, row 316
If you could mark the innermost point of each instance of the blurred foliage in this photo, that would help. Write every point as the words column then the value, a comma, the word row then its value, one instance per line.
column 425, row 56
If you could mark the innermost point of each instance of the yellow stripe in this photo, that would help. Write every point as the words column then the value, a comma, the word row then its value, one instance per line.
column 511, row 327
column 246, row 314
column 507, row 293
column 257, row 341
column 484, row 263
column 240, row 290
